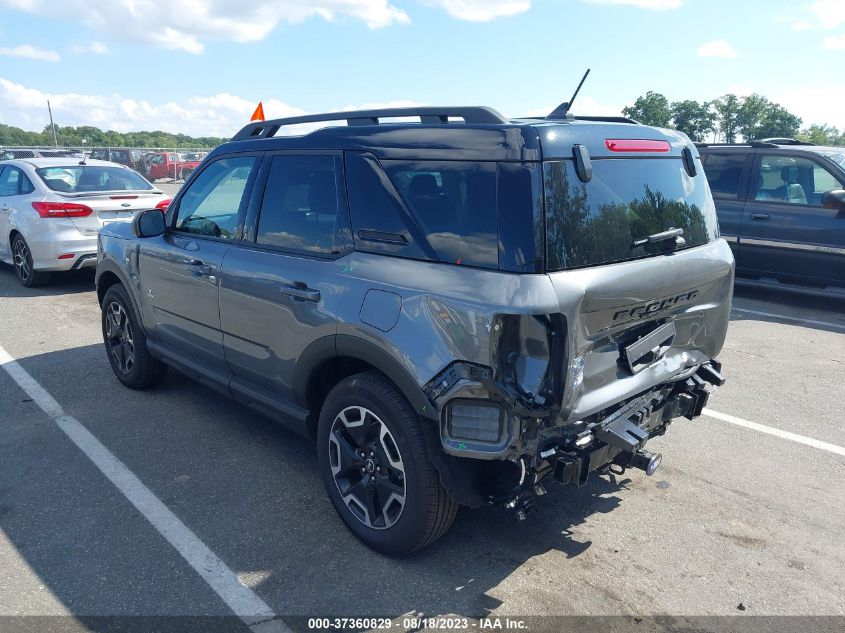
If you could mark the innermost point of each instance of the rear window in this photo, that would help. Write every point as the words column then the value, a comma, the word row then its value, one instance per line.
column 627, row 199
column 85, row 178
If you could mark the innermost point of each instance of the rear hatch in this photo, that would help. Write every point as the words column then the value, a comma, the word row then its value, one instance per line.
column 644, row 303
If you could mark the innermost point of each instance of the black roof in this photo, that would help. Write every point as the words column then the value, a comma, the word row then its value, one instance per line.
column 447, row 133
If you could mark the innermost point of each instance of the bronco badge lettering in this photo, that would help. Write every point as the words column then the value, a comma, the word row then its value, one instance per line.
column 653, row 307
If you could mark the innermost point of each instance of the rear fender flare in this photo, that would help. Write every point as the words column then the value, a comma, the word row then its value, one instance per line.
column 343, row 345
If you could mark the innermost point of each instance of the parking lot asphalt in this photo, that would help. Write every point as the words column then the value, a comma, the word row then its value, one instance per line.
column 733, row 517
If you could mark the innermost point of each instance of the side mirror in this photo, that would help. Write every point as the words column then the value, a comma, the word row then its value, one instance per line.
column 150, row 223
column 834, row 199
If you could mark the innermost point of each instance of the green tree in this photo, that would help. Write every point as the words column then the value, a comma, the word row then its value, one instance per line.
column 759, row 118
column 822, row 135
column 650, row 109
column 694, row 119
column 752, row 110
column 70, row 136
column 727, row 112
column 777, row 121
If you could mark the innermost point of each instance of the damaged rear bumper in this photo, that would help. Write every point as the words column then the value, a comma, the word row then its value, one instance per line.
column 540, row 449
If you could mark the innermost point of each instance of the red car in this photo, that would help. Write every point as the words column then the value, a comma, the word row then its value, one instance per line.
column 168, row 165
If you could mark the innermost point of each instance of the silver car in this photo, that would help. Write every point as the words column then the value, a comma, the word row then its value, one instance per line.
column 51, row 210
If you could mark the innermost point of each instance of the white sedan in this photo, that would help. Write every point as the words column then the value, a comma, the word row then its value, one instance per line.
column 52, row 208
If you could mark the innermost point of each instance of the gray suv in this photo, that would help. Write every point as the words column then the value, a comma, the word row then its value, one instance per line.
column 457, row 309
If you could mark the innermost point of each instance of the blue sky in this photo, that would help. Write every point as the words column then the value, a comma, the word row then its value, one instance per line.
column 199, row 67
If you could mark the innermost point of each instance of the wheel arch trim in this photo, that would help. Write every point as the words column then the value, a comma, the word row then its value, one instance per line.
column 108, row 266
column 344, row 345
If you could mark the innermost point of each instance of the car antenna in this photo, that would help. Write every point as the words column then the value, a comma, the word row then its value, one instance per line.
column 562, row 110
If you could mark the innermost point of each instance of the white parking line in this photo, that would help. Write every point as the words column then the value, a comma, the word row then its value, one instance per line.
column 786, row 435
column 243, row 602
column 838, row 326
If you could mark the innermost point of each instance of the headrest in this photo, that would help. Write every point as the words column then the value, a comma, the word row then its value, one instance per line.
column 789, row 173
column 423, row 186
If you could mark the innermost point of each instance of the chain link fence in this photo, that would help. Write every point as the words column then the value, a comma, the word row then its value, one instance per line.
column 173, row 164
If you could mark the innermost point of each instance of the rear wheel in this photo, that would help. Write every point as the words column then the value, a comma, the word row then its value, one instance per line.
column 376, row 468
column 126, row 344
column 24, row 269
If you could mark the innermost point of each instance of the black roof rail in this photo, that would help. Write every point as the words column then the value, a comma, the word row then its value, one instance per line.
column 477, row 115
column 607, row 119
column 779, row 140
column 748, row 144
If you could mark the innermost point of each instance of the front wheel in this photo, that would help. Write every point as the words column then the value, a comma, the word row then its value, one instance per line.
column 126, row 344
column 375, row 465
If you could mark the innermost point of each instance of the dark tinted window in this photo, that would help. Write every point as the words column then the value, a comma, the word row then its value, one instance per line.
column 454, row 204
column 724, row 172
column 380, row 221
column 212, row 203
column 626, row 200
column 301, row 204
column 520, row 217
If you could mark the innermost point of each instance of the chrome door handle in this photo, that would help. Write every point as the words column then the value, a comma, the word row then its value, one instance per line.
column 300, row 291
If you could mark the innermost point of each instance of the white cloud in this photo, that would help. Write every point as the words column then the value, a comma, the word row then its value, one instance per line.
column 835, row 43
column 830, row 13
column 482, row 10
column 31, row 52
column 220, row 114
column 716, row 48
column 814, row 103
column 97, row 48
column 801, row 25
column 659, row 5
column 187, row 25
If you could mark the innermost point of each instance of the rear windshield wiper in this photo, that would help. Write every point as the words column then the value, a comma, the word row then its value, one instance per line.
column 673, row 235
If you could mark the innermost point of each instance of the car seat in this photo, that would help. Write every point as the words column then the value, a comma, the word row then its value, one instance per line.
column 791, row 190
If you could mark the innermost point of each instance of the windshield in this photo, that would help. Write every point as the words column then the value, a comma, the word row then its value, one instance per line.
column 85, row 178
column 626, row 200
column 837, row 156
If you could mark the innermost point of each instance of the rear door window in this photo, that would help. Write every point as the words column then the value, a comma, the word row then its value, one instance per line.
column 628, row 199
column 302, row 208
column 455, row 206
column 724, row 174
column 13, row 182
column 380, row 221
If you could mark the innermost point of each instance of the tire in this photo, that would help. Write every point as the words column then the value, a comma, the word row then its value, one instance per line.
column 24, row 269
column 366, row 411
column 124, row 345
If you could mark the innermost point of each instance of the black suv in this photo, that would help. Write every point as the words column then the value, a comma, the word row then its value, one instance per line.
column 457, row 308
column 781, row 205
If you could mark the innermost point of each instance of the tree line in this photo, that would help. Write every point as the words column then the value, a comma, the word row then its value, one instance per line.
column 69, row 136
column 729, row 117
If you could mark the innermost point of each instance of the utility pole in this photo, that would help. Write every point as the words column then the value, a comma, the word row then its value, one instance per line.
column 52, row 125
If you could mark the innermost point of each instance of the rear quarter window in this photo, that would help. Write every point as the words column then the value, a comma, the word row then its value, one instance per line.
column 455, row 204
